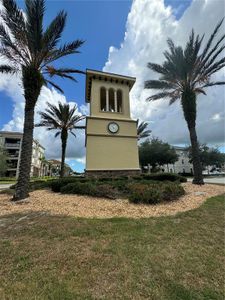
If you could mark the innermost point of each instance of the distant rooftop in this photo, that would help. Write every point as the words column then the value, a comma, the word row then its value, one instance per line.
column 11, row 132
column 57, row 162
column 17, row 133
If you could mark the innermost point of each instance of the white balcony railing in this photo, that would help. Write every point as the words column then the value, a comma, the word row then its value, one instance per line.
column 12, row 145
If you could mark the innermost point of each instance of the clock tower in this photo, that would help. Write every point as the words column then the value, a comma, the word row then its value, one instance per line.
column 111, row 134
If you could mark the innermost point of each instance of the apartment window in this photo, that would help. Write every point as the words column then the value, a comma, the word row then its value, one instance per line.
column 182, row 161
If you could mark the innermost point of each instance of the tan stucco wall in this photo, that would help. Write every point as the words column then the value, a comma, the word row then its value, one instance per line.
column 100, row 126
column 111, row 153
column 95, row 100
column 104, row 150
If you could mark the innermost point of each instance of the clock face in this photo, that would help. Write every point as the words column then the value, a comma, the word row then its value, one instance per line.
column 113, row 127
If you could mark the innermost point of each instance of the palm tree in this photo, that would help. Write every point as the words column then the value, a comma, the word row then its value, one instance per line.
column 142, row 132
column 186, row 73
column 63, row 119
column 30, row 51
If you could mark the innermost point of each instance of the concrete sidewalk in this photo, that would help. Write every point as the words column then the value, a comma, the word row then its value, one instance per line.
column 5, row 186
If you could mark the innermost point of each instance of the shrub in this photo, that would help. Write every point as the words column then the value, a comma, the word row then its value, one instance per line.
column 142, row 193
column 41, row 184
column 90, row 189
column 137, row 177
column 79, row 188
column 172, row 192
column 154, row 193
column 164, row 177
column 56, row 185
column 107, row 191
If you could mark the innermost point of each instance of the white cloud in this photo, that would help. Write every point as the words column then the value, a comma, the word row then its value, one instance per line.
column 149, row 24
column 75, row 146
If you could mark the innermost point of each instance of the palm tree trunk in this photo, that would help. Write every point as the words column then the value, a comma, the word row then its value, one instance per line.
column 64, row 136
column 198, row 178
column 22, row 186
column 32, row 83
column 188, row 102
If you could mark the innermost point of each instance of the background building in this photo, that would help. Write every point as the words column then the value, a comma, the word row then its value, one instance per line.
column 182, row 165
column 55, row 167
column 12, row 143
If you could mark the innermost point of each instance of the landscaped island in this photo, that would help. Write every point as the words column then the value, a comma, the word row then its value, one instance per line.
column 137, row 197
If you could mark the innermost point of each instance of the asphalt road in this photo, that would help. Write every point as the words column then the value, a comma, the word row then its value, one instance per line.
column 216, row 180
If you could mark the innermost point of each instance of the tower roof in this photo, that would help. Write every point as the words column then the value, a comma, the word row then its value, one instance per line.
column 110, row 77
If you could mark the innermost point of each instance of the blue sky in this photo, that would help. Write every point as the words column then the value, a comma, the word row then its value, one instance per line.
column 101, row 24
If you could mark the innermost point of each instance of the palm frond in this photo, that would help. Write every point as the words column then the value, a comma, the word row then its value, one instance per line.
column 212, row 60
column 57, row 134
column 141, row 130
column 171, row 46
column 199, row 91
column 66, row 49
column 159, row 84
column 8, row 69
column 79, row 127
column 14, row 20
column 173, row 99
column 209, row 43
column 188, row 69
column 34, row 25
column 216, row 66
column 213, row 49
column 53, row 32
column 55, row 111
column 48, row 121
column 61, row 117
column 157, row 68
column 73, row 133
column 214, row 83
column 10, row 47
column 62, row 72
column 54, row 85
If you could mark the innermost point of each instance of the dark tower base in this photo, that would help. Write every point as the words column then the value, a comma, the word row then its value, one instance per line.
column 112, row 173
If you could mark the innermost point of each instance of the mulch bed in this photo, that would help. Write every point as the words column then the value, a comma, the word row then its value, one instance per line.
column 89, row 207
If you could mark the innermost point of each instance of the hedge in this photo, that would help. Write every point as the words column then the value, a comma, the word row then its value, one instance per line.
column 155, row 193
column 90, row 189
column 163, row 177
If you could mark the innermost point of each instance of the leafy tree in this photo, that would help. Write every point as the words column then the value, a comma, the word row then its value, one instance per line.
column 142, row 131
column 63, row 119
column 156, row 153
column 31, row 50
column 3, row 162
column 208, row 156
column 186, row 73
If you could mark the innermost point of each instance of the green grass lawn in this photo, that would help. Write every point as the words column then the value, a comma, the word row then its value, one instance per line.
column 56, row 257
column 7, row 182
